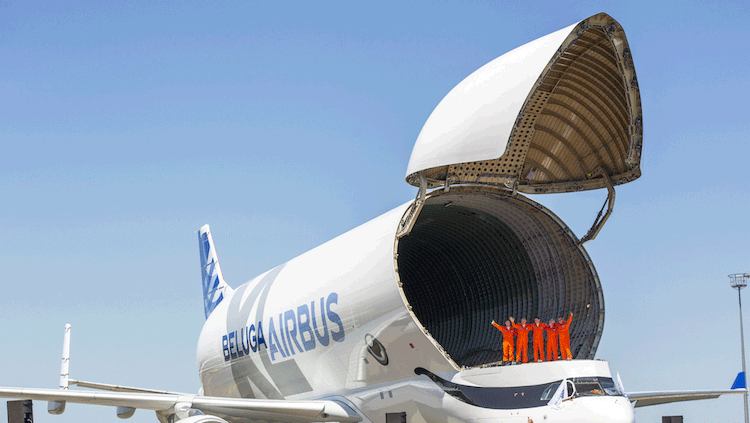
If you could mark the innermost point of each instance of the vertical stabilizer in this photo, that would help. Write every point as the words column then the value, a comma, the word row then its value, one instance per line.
column 214, row 287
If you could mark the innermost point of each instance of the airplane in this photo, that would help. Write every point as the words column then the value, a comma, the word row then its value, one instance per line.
column 390, row 322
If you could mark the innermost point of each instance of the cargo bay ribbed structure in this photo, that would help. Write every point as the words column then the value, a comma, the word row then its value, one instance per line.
column 560, row 114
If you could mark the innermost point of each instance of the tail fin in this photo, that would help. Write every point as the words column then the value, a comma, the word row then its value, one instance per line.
column 214, row 287
column 739, row 382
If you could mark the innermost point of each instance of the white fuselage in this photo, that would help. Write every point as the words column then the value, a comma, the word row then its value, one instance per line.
column 335, row 323
column 316, row 314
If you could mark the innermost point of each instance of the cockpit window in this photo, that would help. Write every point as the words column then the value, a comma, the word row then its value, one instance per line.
column 589, row 389
column 609, row 386
column 549, row 392
column 595, row 386
column 585, row 387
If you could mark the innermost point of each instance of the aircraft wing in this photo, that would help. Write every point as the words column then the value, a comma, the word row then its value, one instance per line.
column 643, row 399
column 272, row 410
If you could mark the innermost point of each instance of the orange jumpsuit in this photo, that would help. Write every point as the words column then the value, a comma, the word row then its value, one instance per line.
column 522, row 348
column 538, row 346
column 551, row 342
column 563, row 329
column 507, row 341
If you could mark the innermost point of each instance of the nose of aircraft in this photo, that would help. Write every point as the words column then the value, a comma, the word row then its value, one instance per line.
column 612, row 410
column 624, row 412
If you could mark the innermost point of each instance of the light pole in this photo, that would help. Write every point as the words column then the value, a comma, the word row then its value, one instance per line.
column 739, row 281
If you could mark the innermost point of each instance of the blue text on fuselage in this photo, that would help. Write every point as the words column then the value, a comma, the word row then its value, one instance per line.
column 294, row 331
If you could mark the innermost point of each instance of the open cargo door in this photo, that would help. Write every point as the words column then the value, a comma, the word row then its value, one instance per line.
column 559, row 114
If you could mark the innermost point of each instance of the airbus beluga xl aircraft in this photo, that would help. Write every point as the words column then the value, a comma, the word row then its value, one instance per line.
column 390, row 322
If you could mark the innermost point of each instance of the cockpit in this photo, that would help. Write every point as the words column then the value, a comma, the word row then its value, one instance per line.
column 515, row 397
column 584, row 387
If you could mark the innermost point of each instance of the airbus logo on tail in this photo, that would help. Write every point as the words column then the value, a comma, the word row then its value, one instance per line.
column 212, row 295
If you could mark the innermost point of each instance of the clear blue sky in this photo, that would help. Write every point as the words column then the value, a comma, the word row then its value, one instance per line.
column 126, row 126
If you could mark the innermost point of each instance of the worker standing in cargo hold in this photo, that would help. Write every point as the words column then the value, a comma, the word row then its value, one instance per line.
column 538, row 347
column 551, row 330
column 508, row 333
column 522, row 333
column 563, row 331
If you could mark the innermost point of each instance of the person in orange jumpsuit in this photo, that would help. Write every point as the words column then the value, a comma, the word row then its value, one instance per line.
column 522, row 335
column 551, row 330
column 508, row 333
column 538, row 347
column 563, row 330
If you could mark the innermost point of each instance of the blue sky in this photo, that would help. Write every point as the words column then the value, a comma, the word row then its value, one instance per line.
column 124, row 127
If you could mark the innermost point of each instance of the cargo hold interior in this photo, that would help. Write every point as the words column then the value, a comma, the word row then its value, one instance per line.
column 480, row 254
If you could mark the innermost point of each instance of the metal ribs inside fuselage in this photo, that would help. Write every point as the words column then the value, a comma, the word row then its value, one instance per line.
column 478, row 254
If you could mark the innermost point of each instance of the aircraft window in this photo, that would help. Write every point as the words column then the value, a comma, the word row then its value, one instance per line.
column 551, row 389
column 584, row 387
column 587, row 389
column 596, row 386
column 549, row 392
column 609, row 386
